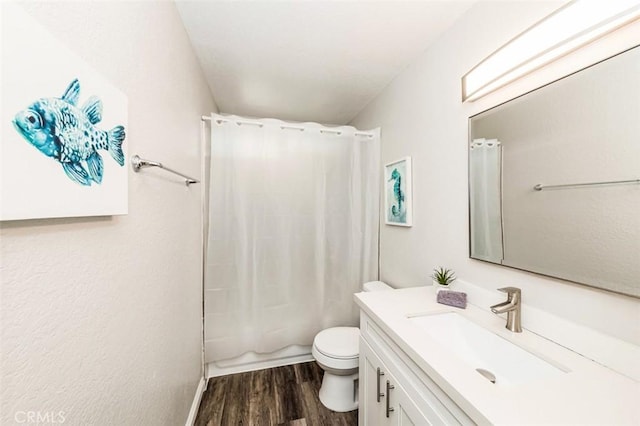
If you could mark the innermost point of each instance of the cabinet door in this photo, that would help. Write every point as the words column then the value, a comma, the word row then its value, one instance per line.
column 402, row 411
column 371, row 382
column 383, row 402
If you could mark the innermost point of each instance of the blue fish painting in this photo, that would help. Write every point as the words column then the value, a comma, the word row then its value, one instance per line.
column 60, row 129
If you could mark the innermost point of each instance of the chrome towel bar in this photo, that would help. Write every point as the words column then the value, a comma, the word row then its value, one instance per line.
column 540, row 187
column 139, row 163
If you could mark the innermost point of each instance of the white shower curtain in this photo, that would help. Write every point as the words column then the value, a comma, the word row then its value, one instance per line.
column 293, row 222
column 485, row 186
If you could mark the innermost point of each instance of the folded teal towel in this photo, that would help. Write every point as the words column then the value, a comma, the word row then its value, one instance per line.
column 456, row 299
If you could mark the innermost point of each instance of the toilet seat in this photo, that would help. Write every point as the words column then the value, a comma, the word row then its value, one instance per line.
column 337, row 347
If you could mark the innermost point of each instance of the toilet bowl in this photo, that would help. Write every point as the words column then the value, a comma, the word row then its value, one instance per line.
column 336, row 350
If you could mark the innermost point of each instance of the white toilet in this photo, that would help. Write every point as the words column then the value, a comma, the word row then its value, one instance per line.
column 336, row 351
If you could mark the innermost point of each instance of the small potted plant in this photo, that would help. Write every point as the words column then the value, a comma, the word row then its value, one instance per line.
column 442, row 278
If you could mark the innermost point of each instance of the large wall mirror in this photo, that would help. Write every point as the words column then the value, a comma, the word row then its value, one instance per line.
column 553, row 178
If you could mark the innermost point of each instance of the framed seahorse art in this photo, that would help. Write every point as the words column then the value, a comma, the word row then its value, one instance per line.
column 397, row 193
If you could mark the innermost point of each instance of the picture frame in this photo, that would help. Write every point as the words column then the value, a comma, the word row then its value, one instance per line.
column 63, row 144
column 398, row 203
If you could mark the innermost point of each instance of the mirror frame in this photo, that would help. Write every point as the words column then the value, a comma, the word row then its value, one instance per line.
column 469, row 218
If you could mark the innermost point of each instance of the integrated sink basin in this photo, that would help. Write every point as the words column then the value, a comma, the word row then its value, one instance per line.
column 485, row 351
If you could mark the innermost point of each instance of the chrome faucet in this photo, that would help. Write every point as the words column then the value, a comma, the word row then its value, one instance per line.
column 512, row 307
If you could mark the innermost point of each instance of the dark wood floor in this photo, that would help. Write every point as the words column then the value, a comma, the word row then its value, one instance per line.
column 276, row 396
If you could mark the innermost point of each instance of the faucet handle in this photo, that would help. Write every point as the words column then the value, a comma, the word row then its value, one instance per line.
column 510, row 290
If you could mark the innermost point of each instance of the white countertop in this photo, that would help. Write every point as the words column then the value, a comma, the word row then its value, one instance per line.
column 588, row 393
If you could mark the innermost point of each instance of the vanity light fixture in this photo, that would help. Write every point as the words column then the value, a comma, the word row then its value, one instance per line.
column 570, row 27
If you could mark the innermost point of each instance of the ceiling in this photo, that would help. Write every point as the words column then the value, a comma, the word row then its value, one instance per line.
column 321, row 61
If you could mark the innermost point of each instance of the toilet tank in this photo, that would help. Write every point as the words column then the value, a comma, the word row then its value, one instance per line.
column 375, row 286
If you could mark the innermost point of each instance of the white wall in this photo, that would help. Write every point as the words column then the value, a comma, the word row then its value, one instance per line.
column 421, row 115
column 101, row 317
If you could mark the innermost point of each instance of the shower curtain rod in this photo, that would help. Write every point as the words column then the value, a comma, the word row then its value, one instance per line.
column 257, row 123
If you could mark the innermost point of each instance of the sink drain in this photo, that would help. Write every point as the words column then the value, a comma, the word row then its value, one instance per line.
column 487, row 374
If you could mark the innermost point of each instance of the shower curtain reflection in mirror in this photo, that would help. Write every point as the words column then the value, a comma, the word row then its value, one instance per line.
column 485, row 174
column 293, row 220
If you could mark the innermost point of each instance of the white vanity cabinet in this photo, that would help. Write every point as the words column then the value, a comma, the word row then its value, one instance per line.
column 434, row 378
column 393, row 390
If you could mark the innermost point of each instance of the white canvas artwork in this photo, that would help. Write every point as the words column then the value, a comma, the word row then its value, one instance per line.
column 63, row 146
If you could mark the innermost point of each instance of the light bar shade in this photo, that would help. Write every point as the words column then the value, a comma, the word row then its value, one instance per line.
column 567, row 29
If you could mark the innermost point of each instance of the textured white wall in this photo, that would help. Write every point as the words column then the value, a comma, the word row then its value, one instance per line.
column 101, row 317
column 421, row 115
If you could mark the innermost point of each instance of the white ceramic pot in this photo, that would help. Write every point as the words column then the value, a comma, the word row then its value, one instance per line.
column 439, row 286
